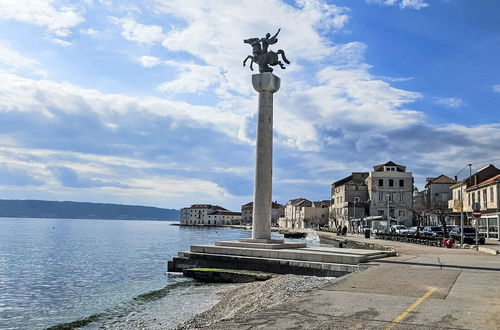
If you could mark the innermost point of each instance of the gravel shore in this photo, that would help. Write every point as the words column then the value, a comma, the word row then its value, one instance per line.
column 250, row 297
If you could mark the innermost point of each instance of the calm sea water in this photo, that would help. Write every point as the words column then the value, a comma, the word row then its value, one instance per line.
column 54, row 271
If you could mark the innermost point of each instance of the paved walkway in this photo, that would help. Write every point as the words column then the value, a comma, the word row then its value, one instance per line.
column 422, row 288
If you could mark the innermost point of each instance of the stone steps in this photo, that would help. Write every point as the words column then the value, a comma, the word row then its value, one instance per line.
column 326, row 255
column 189, row 259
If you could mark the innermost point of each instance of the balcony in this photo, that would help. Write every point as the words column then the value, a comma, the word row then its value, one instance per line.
column 455, row 205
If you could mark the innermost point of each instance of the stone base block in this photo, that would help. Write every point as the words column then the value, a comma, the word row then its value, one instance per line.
column 265, row 241
column 256, row 245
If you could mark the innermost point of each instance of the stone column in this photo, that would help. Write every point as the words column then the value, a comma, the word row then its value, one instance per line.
column 266, row 84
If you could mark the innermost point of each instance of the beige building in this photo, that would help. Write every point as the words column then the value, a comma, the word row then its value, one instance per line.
column 302, row 213
column 277, row 211
column 208, row 215
column 483, row 187
column 386, row 189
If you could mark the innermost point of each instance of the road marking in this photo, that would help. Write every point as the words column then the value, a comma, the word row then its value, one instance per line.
column 410, row 309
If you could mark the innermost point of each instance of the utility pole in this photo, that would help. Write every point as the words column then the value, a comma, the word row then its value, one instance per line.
column 462, row 215
column 388, row 214
column 354, row 213
column 477, row 219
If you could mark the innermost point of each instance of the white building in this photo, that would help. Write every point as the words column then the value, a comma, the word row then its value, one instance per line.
column 302, row 213
column 208, row 215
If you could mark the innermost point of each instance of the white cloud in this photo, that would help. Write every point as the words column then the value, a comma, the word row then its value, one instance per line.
column 91, row 32
column 13, row 59
column 450, row 102
column 496, row 88
column 193, row 78
column 58, row 19
column 60, row 42
column 145, row 34
column 49, row 98
column 149, row 61
column 113, row 180
column 403, row 4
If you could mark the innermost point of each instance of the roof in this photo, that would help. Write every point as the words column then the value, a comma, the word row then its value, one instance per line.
column 441, row 179
column 299, row 201
column 342, row 181
column 481, row 176
column 485, row 182
column 224, row 212
column 380, row 168
column 207, row 206
column 249, row 206
column 320, row 203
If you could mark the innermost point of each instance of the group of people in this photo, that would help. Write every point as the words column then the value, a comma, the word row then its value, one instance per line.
column 341, row 231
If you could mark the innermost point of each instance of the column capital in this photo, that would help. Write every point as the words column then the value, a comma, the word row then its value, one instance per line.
column 266, row 81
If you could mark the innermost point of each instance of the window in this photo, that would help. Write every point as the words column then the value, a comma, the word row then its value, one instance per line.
column 401, row 183
column 389, row 197
column 380, row 182
column 401, row 213
column 380, row 212
column 401, row 197
column 468, row 195
column 491, row 194
column 380, row 197
column 391, row 183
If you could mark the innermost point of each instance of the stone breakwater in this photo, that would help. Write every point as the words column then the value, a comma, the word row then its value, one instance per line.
column 248, row 298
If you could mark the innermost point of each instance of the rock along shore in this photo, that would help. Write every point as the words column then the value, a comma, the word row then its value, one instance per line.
column 248, row 298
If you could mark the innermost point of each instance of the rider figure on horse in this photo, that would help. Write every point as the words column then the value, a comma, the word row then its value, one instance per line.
column 262, row 55
column 268, row 40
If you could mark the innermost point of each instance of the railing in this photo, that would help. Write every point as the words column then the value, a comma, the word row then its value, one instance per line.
column 415, row 239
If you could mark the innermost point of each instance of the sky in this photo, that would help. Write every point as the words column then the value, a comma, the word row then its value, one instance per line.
column 148, row 103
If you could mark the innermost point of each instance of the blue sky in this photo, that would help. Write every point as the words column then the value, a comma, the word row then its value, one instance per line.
column 147, row 102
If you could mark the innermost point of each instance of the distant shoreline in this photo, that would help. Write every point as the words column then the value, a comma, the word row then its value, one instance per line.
column 67, row 218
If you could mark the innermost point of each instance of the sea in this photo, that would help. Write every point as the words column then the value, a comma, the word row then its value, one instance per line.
column 72, row 273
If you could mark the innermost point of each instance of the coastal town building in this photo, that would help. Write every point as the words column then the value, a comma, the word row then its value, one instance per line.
column 385, row 191
column 208, row 215
column 390, row 189
column 482, row 187
column 303, row 213
column 277, row 211
column 435, row 197
column 349, row 200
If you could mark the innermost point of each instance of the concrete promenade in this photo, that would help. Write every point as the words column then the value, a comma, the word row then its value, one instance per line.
column 421, row 288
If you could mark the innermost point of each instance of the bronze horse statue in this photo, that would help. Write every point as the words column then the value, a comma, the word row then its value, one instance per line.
column 263, row 57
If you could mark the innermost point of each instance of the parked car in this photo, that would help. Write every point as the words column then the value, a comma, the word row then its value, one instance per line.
column 399, row 229
column 415, row 229
column 469, row 235
column 432, row 231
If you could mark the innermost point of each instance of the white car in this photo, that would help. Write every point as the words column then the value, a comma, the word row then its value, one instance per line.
column 399, row 229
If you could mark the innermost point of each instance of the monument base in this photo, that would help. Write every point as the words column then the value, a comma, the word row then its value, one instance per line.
column 272, row 244
column 259, row 240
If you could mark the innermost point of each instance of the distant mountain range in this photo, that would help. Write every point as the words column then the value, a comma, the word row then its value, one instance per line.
column 82, row 210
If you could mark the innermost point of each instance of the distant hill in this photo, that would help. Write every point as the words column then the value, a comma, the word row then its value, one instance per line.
column 82, row 210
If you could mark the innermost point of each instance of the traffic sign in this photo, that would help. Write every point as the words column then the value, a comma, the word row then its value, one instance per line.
column 476, row 213
column 476, row 206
